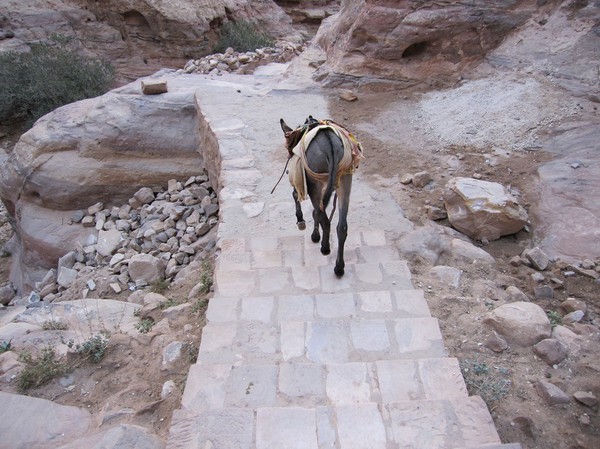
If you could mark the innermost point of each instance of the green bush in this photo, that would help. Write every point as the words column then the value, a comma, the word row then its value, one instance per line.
column 92, row 349
column 242, row 36
column 49, row 76
column 41, row 370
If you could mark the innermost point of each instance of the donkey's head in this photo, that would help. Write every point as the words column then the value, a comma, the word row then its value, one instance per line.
column 293, row 136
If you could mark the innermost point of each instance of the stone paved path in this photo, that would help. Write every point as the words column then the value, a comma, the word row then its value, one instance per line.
column 291, row 356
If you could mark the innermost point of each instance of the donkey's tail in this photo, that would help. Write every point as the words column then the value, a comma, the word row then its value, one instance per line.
column 334, row 159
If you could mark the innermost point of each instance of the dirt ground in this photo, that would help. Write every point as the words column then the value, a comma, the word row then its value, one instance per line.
column 505, row 380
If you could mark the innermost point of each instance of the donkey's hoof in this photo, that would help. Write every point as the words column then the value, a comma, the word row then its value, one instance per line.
column 339, row 272
column 325, row 251
column 315, row 237
column 301, row 225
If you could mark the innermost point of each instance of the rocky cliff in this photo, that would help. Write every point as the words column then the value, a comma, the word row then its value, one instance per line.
column 138, row 36
column 411, row 43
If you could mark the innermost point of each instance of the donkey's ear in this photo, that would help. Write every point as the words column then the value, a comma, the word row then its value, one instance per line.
column 284, row 127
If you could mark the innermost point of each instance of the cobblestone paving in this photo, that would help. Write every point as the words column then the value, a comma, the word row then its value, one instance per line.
column 292, row 356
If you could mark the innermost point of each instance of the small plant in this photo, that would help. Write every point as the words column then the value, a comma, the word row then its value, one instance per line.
column 41, row 370
column 200, row 306
column 54, row 325
column 554, row 317
column 145, row 325
column 192, row 352
column 94, row 347
column 169, row 303
column 242, row 36
column 160, row 286
column 5, row 346
column 206, row 277
column 491, row 385
column 50, row 75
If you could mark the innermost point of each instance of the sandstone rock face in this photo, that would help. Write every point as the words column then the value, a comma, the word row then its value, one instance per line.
column 414, row 42
column 97, row 150
column 482, row 209
column 40, row 420
column 141, row 36
column 520, row 323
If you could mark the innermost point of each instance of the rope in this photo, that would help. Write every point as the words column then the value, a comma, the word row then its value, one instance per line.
column 281, row 177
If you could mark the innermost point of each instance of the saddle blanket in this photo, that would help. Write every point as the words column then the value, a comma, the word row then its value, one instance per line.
column 298, row 166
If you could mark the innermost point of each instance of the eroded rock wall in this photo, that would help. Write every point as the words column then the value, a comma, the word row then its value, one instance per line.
column 139, row 37
column 415, row 42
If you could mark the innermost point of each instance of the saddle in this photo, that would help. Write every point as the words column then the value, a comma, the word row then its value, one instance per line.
column 298, row 142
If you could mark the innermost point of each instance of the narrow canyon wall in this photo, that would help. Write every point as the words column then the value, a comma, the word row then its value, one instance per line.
column 414, row 42
column 139, row 37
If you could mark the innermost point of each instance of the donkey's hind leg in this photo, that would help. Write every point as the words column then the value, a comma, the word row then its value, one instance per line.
column 299, row 216
column 343, row 192
column 321, row 220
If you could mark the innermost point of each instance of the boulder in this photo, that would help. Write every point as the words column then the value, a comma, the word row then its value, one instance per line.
column 520, row 323
column 146, row 269
column 586, row 398
column 514, row 294
column 66, row 276
column 426, row 243
column 89, row 152
column 91, row 315
column 551, row 394
column 27, row 422
column 118, row 437
column 538, row 258
column 153, row 306
column 568, row 338
column 550, row 351
column 482, row 209
column 466, row 251
column 7, row 293
column 445, row 276
column 108, row 242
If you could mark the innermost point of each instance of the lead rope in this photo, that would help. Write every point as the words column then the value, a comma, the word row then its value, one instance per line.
column 281, row 177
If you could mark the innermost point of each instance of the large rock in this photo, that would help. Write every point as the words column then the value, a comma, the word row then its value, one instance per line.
column 139, row 37
column 482, row 209
column 87, row 316
column 565, row 210
column 98, row 150
column 125, row 436
column 520, row 323
column 28, row 423
column 146, row 269
column 414, row 42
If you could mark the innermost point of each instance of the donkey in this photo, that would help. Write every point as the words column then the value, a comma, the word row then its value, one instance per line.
column 325, row 165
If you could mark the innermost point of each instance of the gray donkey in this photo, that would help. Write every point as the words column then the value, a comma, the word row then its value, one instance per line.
column 323, row 157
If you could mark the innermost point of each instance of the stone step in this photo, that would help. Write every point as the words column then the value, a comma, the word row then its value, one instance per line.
column 217, row 386
column 428, row 424
column 495, row 446
column 325, row 341
column 261, row 266
column 319, row 306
